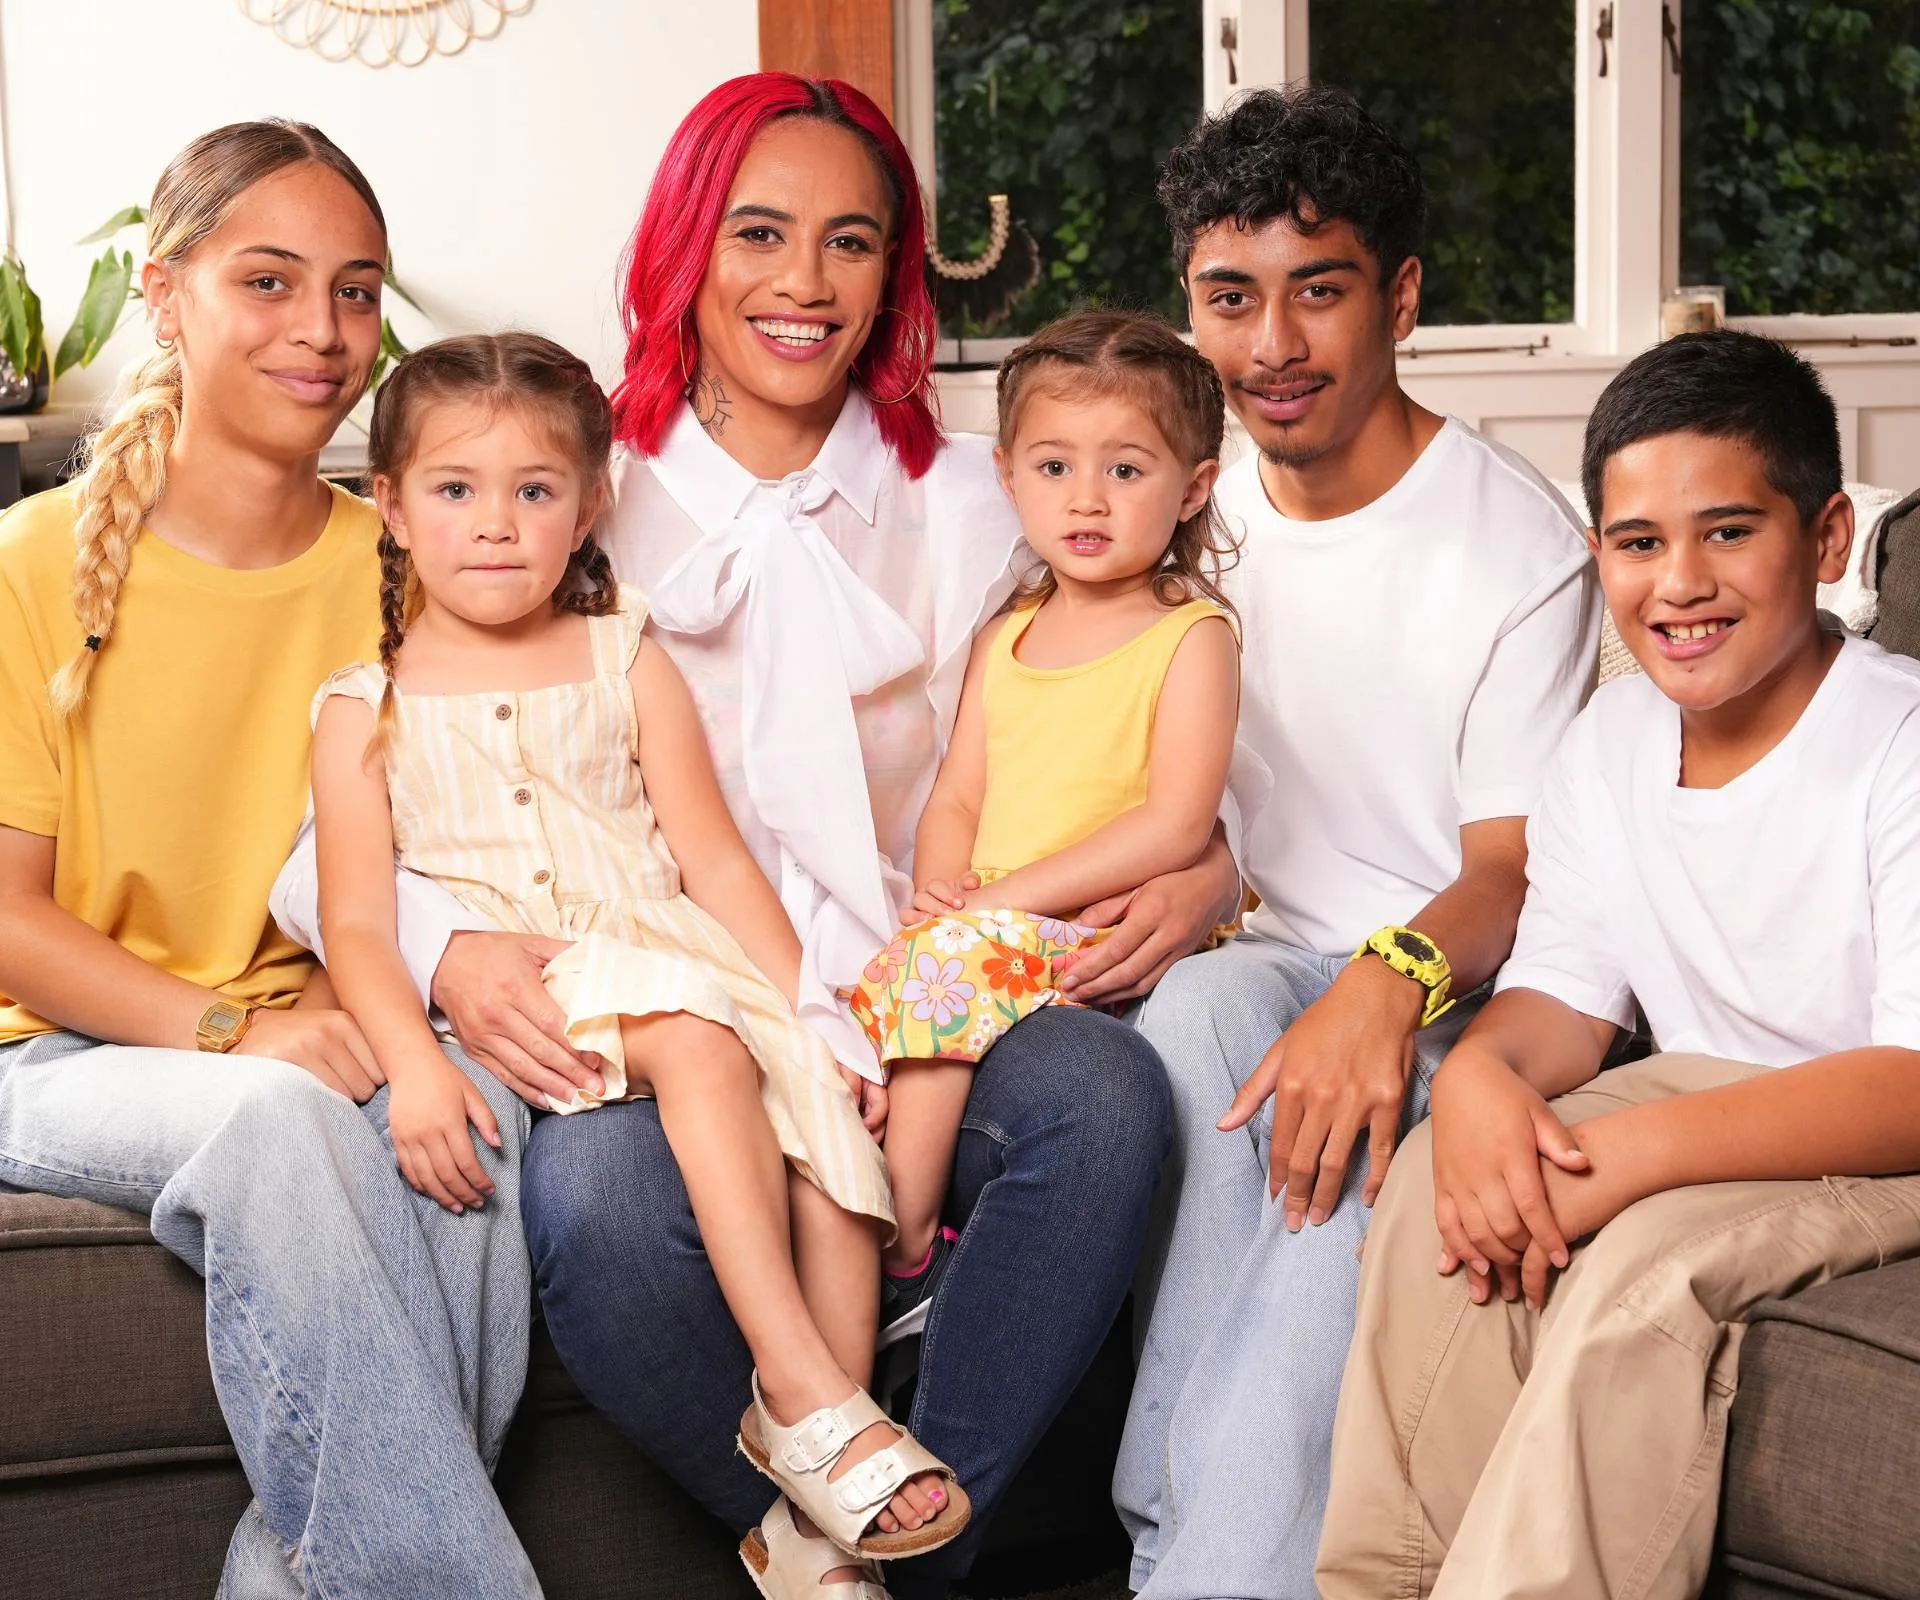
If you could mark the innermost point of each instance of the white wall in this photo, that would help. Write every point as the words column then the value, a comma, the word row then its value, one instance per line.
column 511, row 174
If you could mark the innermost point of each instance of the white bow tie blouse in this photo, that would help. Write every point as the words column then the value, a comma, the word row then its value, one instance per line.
column 822, row 623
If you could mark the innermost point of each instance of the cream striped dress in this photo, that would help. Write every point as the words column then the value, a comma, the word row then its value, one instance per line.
column 528, row 808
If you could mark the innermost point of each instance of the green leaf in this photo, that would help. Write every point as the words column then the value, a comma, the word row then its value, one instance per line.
column 108, row 283
column 120, row 219
column 392, row 348
column 22, row 334
column 396, row 287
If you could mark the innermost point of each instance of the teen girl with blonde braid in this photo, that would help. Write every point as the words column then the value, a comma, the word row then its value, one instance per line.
column 163, row 623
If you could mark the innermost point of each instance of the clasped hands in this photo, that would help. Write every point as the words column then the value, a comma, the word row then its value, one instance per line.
column 1513, row 1185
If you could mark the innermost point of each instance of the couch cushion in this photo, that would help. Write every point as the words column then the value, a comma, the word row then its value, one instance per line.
column 1897, row 557
column 1820, row 1489
column 105, row 1344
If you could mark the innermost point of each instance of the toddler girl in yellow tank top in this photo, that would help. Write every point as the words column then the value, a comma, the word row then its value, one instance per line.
column 1092, row 743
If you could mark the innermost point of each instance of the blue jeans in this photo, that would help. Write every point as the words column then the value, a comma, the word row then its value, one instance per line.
column 1242, row 1326
column 1063, row 1137
column 368, row 1348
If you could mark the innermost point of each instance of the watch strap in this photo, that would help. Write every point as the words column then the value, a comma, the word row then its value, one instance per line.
column 1435, row 976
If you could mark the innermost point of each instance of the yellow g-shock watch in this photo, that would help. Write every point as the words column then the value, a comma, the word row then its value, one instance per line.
column 1414, row 955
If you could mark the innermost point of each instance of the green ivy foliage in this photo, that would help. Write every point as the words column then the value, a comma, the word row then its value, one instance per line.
column 1800, row 144
column 1067, row 107
column 1482, row 94
column 1800, row 154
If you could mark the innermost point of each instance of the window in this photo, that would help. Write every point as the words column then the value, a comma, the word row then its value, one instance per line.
column 1584, row 157
column 1482, row 94
column 1067, row 107
column 1800, row 154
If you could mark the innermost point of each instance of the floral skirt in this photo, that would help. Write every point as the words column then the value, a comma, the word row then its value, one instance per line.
column 950, row 986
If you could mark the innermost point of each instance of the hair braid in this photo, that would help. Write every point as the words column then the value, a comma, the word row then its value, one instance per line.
column 126, row 469
column 592, row 567
column 396, row 594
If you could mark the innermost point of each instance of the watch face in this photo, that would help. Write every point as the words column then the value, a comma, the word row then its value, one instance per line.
column 1407, row 942
column 221, row 1020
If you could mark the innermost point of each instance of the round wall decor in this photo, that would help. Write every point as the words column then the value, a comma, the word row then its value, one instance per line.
column 381, row 33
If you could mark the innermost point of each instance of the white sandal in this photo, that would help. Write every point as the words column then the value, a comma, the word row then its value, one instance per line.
column 786, row 1565
column 799, row 1459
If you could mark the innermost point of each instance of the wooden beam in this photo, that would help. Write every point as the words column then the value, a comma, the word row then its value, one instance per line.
column 850, row 39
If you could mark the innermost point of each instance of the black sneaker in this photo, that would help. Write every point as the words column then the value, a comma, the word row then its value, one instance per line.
column 905, row 1301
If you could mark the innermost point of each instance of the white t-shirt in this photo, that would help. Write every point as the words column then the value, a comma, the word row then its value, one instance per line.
column 1772, row 920
column 1409, row 668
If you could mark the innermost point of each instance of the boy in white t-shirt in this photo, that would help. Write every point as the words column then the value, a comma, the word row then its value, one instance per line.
column 1728, row 846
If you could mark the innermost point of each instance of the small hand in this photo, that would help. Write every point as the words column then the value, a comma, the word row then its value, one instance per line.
column 326, row 1043
column 1490, row 1131
column 1584, row 1202
column 874, row 1106
column 937, row 897
column 870, row 1097
column 1342, row 1067
column 488, row 984
column 427, row 1116
column 1152, row 927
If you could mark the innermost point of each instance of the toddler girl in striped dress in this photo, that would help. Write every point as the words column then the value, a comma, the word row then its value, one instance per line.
column 524, row 744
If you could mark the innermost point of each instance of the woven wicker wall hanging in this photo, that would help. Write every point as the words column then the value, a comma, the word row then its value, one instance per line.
column 381, row 33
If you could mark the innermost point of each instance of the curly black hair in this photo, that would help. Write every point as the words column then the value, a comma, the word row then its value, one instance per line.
column 1308, row 152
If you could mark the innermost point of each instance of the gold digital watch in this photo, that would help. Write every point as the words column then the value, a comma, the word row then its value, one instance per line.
column 223, row 1025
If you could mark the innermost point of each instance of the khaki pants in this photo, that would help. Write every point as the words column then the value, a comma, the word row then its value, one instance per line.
column 1492, row 1452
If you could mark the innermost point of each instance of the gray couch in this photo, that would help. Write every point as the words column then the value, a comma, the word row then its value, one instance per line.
column 117, row 1477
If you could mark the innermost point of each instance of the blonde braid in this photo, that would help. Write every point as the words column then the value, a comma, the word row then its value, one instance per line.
column 126, row 469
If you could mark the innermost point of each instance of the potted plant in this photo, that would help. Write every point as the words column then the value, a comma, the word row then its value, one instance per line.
column 26, row 373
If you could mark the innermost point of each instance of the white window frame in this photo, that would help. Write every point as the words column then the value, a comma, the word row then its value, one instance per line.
column 1626, row 180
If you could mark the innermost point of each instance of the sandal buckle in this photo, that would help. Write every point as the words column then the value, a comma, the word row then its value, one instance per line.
column 871, row 1483
column 816, row 1442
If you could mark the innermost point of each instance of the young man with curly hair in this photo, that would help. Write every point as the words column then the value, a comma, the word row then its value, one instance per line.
column 1421, row 622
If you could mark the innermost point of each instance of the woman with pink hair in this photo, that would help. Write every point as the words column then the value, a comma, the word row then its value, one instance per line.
column 817, row 555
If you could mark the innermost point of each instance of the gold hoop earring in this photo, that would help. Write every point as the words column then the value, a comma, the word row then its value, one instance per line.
column 920, row 378
column 680, row 348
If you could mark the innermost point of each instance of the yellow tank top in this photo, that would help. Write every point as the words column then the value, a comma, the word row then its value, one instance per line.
column 1067, row 746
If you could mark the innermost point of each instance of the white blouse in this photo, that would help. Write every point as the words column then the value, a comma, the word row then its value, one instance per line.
column 822, row 623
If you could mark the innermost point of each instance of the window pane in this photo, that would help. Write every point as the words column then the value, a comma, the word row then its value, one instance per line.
column 1067, row 107
column 1800, row 154
column 1483, row 96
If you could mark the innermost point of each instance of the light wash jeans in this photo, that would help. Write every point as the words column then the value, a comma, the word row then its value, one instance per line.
column 368, row 1348
column 1242, row 1327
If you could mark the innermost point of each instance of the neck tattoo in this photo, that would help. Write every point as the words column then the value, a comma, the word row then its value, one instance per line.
column 708, row 397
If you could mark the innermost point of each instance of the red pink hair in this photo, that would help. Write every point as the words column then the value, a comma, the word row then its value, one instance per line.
column 668, row 259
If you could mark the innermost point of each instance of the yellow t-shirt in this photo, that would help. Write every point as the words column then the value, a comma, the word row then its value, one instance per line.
column 174, row 795
column 1067, row 747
